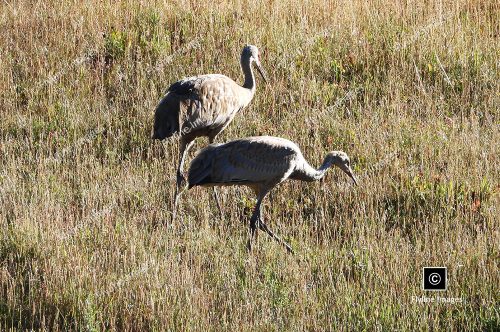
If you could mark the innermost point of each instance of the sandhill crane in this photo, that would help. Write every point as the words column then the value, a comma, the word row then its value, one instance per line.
column 203, row 106
column 260, row 163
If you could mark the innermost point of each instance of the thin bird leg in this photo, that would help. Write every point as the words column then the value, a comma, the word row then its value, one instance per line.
column 271, row 198
column 266, row 229
column 253, row 224
column 263, row 226
column 216, row 195
column 217, row 200
column 183, row 150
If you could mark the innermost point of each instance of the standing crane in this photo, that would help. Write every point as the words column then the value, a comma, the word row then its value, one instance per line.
column 203, row 106
column 260, row 163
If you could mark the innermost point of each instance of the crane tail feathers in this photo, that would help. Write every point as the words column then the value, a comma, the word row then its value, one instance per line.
column 200, row 169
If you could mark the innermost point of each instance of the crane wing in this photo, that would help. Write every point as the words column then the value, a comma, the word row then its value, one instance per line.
column 242, row 161
column 209, row 101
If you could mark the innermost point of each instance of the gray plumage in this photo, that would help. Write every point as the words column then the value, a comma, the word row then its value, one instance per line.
column 204, row 106
column 260, row 163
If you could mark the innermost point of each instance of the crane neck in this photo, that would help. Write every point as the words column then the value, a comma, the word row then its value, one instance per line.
column 306, row 172
column 319, row 173
column 246, row 66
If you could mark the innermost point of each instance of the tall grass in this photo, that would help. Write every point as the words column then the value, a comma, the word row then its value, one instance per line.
column 409, row 90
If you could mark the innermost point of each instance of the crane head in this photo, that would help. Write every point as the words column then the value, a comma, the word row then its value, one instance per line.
column 251, row 53
column 341, row 160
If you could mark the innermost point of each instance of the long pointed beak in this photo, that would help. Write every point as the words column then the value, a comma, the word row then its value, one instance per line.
column 261, row 71
column 354, row 179
column 351, row 175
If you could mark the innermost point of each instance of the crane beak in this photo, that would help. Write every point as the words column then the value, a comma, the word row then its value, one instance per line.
column 354, row 179
column 261, row 71
column 349, row 172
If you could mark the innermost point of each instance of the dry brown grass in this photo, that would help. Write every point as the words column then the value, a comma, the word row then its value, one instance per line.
column 410, row 91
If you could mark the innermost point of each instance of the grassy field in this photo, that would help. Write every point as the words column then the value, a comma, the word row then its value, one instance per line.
column 409, row 90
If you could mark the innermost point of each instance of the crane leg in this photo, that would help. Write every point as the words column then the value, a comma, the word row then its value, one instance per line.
column 256, row 219
column 253, row 223
column 217, row 200
column 253, row 228
column 266, row 229
column 184, row 149
column 211, row 139
column 261, row 194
